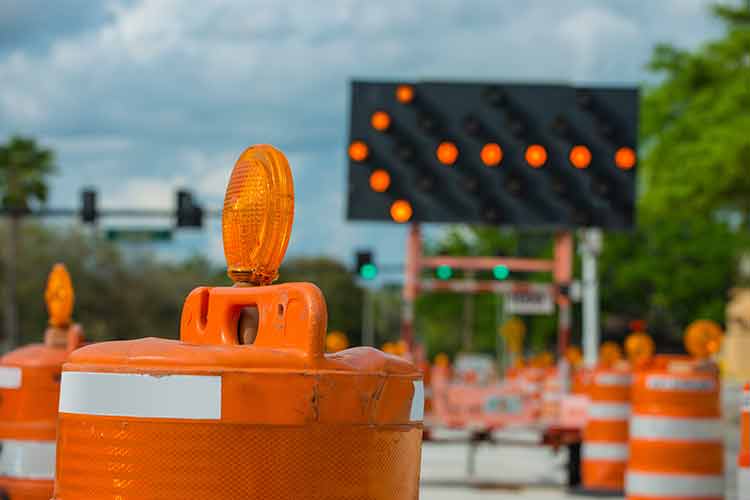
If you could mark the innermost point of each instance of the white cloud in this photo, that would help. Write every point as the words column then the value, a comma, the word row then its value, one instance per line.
column 161, row 94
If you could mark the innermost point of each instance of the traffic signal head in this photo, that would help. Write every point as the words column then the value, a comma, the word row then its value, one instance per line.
column 444, row 272
column 501, row 272
column 89, row 211
column 365, row 265
column 518, row 155
column 189, row 214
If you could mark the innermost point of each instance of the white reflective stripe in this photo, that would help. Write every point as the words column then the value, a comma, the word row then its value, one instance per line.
column 673, row 383
column 673, row 485
column 746, row 401
column 10, row 377
column 609, row 411
column 743, row 483
column 27, row 459
column 141, row 395
column 605, row 451
column 417, row 402
column 613, row 379
column 678, row 429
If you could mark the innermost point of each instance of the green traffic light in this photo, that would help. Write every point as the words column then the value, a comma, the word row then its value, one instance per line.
column 444, row 272
column 368, row 271
column 501, row 272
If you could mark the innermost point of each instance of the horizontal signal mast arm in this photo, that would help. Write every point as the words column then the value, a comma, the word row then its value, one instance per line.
column 106, row 212
column 484, row 286
column 488, row 263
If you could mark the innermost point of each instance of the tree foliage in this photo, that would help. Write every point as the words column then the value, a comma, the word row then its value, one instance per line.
column 24, row 168
column 696, row 124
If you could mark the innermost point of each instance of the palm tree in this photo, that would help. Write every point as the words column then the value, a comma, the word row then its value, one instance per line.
column 24, row 167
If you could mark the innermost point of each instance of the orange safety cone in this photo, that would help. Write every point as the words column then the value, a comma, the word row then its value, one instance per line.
column 234, row 412
column 743, row 460
column 29, row 393
column 676, row 443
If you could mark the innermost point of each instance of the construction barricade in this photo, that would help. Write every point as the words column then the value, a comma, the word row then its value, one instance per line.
column 676, row 445
column 29, row 393
column 604, row 452
column 743, row 459
column 242, row 412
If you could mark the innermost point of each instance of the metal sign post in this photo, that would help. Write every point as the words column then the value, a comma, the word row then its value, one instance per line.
column 591, row 246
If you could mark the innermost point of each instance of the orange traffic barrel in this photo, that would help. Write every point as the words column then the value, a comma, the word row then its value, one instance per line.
column 743, row 459
column 239, row 409
column 553, row 388
column 605, row 437
column 676, row 446
column 29, row 393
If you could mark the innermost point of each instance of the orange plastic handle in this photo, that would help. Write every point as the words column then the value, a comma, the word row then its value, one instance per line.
column 292, row 315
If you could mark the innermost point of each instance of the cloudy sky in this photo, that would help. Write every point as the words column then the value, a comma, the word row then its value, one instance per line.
column 141, row 97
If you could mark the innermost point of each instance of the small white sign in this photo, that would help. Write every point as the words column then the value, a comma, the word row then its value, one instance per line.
column 530, row 302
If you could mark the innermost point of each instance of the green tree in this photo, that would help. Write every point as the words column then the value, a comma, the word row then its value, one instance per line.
column 24, row 168
column 670, row 271
column 695, row 124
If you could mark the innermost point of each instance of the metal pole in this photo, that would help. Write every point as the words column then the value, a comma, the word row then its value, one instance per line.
column 563, row 274
column 591, row 244
column 411, row 283
column 368, row 318
column 467, row 344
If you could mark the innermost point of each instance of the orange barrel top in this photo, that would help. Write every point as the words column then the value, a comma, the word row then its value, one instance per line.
column 29, row 393
column 676, row 442
column 210, row 417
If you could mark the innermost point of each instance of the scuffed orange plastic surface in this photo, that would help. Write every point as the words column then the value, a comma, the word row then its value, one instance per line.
column 109, row 458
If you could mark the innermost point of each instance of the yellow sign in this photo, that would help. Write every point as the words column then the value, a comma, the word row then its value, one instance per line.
column 513, row 332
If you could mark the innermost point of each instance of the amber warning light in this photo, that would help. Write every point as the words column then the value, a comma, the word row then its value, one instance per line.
column 258, row 215
column 59, row 297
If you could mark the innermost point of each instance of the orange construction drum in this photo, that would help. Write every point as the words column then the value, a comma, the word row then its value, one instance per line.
column 743, row 457
column 29, row 393
column 242, row 409
column 604, row 452
column 676, row 445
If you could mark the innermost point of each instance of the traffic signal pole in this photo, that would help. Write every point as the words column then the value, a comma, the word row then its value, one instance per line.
column 411, row 283
column 563, row 276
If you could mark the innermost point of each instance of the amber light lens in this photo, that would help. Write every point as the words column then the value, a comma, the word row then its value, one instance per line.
column 625, row 158
column 401, row 211
column 610, row 353
column 258, row 214
column 491, row 154
column 59, row 296
column 358, row 151
column 639, row 347
column 380, row 180
column 447, row 153
column 580, row 157
column 404, row 94
column 536, row 155
column 380, row 121
column 336, row 341
column 703, row 338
